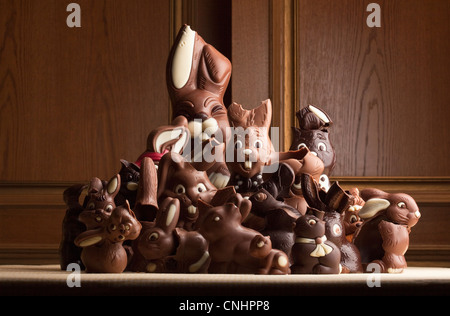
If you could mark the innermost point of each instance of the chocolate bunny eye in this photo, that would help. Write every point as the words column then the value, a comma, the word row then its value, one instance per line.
column 238, row 144
column 201, row 188
column 91, row 206
column 109, row 208
column 322, row 147
column 301, row 145
column 258, row 143
column 312, row 222
column 180, row 189
column 153, row 236
column 401, row 204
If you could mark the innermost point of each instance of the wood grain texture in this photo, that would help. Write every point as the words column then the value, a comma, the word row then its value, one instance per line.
column 385, row 88
column 73, row 101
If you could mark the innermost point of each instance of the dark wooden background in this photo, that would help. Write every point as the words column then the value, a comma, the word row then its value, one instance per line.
column 73, row 101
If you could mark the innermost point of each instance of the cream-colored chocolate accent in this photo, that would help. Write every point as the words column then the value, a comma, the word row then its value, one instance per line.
column 171, row 214
column 319, row 114
column 197, row 265
column 372, row 207
column 90, row 241
column 182, row 58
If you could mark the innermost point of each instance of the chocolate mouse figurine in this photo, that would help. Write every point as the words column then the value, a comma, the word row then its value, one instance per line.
column 177, row 178
column 233, row 247
column 383, row 237
column 312, row 252
column 197, row 78
column 334, row 203
column 103, row 251
column 314, row 134
column 162, row 247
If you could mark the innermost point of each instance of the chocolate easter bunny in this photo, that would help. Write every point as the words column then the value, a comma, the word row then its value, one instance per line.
column 129, row 175
column 103, row 250
column 197, row 78
column 334, row 203
column 177, row 178
column 251, row 157
column 383, row 237
column 162, row 247
column 279, row 219
column 313, row 133
column 233, row 247
column 312, row 252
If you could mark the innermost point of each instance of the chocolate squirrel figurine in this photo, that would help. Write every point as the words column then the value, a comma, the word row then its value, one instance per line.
column 177, row 178
column 162, row 247
column 313, row 133
column 197, row 78
column 334, row 203
column 312, row 252
column 383, row 237
column 233, row 247
column 103, row 250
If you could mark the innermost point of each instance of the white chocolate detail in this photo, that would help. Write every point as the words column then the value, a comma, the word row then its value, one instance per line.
column 171, row 214
column 90, row 241
column 182, row 58
column 282, row 261
column 197, row 265
column 192, row 210
column 319, row 114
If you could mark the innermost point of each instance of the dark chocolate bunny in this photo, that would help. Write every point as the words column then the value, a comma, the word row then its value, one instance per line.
column 313, row 133
column 333, row 203
column 312, row 251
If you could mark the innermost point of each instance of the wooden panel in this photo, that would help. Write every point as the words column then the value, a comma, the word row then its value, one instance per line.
column 250, row 52
column 73, row 101
column 385, row 88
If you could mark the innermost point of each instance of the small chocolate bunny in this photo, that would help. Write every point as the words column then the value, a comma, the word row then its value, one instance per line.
column 313, row 133
column 312, row 252
column 334, row 203
column 177, row 178
column 161, row 247
column 383, row 237
column 233, row 247
column 103, row 250
column 129, row 175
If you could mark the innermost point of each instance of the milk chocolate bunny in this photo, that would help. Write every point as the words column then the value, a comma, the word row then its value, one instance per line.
column 312, row 252
column 383, row 237
column 197, row 78
column 103, row 251
column 235, row 248
column 177, row 178
column 129, row 175
column 162, row 247
column 333, row 203
column 314, row 134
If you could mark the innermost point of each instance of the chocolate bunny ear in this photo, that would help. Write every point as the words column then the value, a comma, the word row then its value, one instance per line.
column 313, row 118
column 337, row 199
column 311, row 192
column 168, row 214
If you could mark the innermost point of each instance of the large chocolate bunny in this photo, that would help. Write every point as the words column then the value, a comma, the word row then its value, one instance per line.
column 233, row 247
column 383, row 237
column 312, row 252
column 197, row 78
column 177, row 178
column 162, row 247
column 334, row 203
column 313, row 133
column 103, row 250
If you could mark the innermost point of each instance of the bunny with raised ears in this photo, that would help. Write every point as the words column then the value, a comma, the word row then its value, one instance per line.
column 383, row 237
column 177, row 178
column 103, row 250
column 197, row 78
column 233, row 247
column 313, row 133
column 100, row 201
column 162, row 247
column 333, row 203
column 312, row 252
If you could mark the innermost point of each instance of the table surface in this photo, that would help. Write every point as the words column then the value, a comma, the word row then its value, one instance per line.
column 50, row 280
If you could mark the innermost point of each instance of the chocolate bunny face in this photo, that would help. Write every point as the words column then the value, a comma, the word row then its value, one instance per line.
column 398, row 208
column 100, row 202
column 250, row 142
column 179, row 179
column 197, row 78
column 310, row 225
column 313, row 134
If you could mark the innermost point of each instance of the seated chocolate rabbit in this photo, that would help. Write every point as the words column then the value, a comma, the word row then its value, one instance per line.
column 334, row 203
column 383, row 237
column 162, row 247
column 103, row 250
column 233, row 247
column 312, row 252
